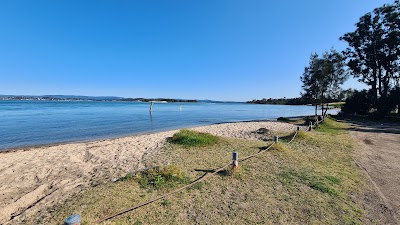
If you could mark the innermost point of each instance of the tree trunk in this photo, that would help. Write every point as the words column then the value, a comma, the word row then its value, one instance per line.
column 380, row 81
column 322, row 104
column 316, row 107
column 373, row 86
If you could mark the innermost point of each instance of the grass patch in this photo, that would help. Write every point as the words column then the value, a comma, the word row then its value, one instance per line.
column 189, row 138
column 324, row 184
column 301, row 134
column 337, row 105
column 313, row 180
column 284, row 119
column 330, row 126
column 160, row 177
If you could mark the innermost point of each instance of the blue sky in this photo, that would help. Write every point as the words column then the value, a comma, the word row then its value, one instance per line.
column 209, row 49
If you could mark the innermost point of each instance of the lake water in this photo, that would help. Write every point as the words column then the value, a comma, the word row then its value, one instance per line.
column 28, row 123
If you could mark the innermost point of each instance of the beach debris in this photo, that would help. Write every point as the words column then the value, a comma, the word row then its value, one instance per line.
column 73, row 220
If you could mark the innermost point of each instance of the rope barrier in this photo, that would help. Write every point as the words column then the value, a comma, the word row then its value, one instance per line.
column 165, row 195
column 295, row 134
column 204, row 177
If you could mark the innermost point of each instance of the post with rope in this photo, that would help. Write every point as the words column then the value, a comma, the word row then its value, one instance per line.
column 235, row 158
column 276, row 139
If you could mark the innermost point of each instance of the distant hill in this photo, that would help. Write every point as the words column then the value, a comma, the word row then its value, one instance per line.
column 86, row 98
column 60, row 97
column 101, row 98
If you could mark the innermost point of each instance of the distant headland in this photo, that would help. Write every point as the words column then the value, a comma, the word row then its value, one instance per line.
column 86, row 98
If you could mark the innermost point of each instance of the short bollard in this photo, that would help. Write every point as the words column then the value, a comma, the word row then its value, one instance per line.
column 310, row 126
column 73, row 220
column 298, row 128
column 276, row 139
column 235, row 158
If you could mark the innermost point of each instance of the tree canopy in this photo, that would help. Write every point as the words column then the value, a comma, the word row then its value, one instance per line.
column 373, row 54
column 322, row 77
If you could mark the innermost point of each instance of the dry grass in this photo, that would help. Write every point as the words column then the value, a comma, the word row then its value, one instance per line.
column 312, row 180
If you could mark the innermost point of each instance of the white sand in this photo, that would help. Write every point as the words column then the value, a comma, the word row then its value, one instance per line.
column 36, row 178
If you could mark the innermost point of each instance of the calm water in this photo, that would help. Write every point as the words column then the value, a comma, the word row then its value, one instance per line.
column 27, row 123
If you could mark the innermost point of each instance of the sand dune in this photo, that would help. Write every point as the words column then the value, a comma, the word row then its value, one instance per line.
column 34, row 178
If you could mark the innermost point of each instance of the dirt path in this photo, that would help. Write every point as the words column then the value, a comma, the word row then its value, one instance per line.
column 379, row 155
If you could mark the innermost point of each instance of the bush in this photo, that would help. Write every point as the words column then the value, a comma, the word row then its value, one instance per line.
column 283, row 119
column 189, row 138
column 361, row 102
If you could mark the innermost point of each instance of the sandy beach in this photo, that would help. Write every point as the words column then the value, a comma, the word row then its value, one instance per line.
column 33, row 179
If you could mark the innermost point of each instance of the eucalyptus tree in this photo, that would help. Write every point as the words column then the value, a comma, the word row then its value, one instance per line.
column 373, row 54
column 322, row 78
column 311, row 80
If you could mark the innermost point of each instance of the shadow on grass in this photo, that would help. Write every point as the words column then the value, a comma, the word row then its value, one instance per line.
column 364, row 124
column 223, row 173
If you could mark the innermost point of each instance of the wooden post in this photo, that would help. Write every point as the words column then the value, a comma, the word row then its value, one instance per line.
column 151, row 106
column 235, row 158
column 310, row 126
column 276, row 139
column 298, row 128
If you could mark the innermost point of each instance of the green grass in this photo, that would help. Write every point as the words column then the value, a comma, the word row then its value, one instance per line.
column 324, row 184
column 313, row 180
column 331, row 126
column 337, row 105
column 284, row 119
column 189, row 138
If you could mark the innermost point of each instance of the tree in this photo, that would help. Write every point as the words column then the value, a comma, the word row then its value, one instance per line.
column 322, row 78
column 333, row 76
column 373, row 54
column 311, row 81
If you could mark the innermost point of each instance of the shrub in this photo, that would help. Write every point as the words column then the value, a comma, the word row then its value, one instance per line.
column 361, row 102
column 283, row 119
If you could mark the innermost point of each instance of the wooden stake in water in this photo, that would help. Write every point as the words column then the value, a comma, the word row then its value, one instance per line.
column 151, row 106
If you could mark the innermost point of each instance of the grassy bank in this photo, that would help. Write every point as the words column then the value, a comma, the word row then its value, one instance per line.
column 311, row 180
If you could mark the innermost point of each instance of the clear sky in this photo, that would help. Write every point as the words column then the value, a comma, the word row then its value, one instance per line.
column 204, row 49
